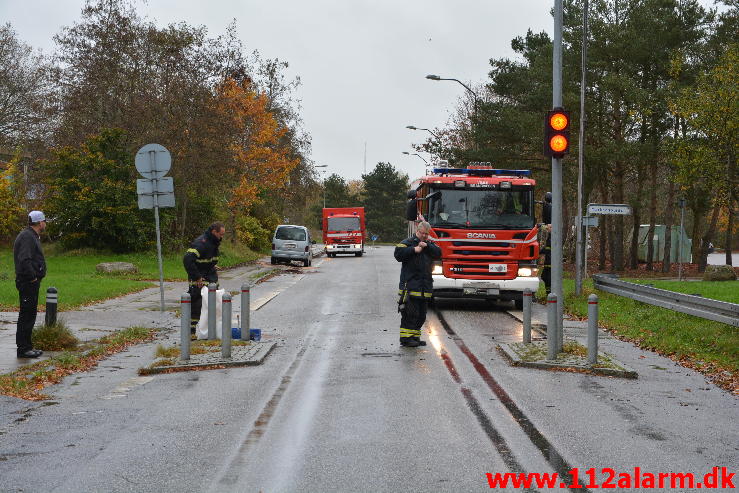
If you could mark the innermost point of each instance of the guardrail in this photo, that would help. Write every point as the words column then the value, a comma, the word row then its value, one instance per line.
column 719, row 311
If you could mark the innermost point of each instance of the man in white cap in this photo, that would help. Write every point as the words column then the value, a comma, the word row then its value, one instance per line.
column 30, row 268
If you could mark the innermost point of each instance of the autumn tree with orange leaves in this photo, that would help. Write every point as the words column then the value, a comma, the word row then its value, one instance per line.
column 262, row 156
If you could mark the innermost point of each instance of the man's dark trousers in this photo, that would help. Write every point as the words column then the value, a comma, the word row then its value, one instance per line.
column 28, row 294
column 412, row 317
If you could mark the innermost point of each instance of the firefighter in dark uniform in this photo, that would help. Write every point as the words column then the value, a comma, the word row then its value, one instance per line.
column 546, row 272
column 417, row 254
column 200, row 263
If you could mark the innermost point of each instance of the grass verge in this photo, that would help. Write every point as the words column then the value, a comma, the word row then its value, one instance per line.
column 80, row 284
column 711, row 348
column 29, row 381
column 716, row 290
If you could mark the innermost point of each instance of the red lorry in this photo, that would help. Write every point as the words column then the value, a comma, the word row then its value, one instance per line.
column 343, row 230
column 483, row 221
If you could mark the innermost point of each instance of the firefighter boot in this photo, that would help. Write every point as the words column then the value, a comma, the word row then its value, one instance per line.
column 419, row 341
column 409, row 342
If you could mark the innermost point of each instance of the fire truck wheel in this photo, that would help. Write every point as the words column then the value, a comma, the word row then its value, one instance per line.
column 518, row 303
column 358, row 254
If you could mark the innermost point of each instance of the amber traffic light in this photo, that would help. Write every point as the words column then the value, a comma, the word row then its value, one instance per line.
column 557, row 133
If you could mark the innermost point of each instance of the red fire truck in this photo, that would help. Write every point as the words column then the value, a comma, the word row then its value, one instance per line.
column 483, row 221
column 343, row 230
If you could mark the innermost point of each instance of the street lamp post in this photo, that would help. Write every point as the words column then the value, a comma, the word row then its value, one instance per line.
column 476, row 100
column 416, row 154
column 411, row 127
column 324, row 181
column 474, row 95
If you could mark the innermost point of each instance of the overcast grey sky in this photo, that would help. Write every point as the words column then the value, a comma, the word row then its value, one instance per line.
column 362, row 62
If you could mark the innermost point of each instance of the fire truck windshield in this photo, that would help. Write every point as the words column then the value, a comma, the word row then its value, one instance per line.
column 481, row 208
column 343, row 224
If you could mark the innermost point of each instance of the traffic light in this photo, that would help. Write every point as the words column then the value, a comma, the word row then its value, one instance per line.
column 557, row 133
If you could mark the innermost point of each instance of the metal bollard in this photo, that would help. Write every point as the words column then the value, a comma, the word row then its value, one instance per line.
column 527, row 297
column 185, row 309
column 211, row 311
column 226, row 326
column 552, row 326
column 592, row 329
column 51, row 306
column 245, row 311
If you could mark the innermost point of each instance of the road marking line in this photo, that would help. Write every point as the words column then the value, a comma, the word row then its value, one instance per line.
column 124, row 388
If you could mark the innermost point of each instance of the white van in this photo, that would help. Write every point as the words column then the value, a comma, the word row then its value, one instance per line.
column 291, row 242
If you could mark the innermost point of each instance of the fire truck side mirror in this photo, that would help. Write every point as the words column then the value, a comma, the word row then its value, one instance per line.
column 411, row 212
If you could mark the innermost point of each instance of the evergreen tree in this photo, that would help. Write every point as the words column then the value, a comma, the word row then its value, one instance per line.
column 384, row 202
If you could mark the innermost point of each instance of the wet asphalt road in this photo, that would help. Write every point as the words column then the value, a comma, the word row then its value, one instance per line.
column 339, row 406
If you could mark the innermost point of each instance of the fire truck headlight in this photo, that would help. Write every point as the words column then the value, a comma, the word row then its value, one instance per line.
column 527, row 271
column 437, row 269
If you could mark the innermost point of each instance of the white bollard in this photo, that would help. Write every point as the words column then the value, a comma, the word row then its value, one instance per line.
column 527, row 297
column 592, row 329
column 552, row 327
column 226, row 326
column 185, row 309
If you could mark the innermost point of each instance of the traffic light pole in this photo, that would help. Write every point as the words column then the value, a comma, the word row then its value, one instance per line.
column 556, row 268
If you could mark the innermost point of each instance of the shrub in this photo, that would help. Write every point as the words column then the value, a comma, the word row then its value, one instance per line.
column 719, row 273
column 251, row 232
column 56, row 337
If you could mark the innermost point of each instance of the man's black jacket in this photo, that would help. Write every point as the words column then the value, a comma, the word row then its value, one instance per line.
column 415, row 275
column 29, row 259
column 201, row 258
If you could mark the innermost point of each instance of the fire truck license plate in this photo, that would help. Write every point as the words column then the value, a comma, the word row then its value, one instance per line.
column 498, row 268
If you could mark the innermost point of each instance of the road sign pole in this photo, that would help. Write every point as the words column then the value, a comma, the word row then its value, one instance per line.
column 152, row 157
column 680, row 241
column 580, row 251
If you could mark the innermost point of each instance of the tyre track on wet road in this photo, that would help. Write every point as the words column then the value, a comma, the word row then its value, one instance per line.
column 547, row 449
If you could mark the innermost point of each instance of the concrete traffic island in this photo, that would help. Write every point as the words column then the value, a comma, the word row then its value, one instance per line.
column 250, row 354
column 572, row 358
column 557, row 353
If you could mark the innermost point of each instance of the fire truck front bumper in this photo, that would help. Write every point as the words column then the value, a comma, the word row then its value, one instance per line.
column 509, row 289
column 344, row 248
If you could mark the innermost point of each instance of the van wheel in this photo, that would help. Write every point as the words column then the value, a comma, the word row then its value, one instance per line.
column 272, row 261
column 358, row 254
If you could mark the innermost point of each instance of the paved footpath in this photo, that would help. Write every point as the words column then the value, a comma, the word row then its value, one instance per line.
column 137, row 309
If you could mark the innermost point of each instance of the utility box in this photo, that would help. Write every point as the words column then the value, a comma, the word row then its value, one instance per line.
column 678, row 236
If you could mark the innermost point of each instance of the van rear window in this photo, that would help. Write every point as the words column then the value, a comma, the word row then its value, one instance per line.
column 288, row 233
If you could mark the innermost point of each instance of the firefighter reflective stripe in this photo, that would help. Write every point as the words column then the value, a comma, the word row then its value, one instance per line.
column 416, row 294
column 192, row 250
column 206, row 260
column 401, row 245
column 409, row 332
